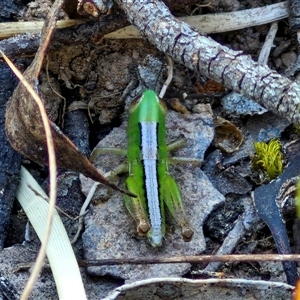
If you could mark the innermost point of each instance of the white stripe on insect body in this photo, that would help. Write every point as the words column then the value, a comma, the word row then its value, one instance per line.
column 149, row 146
column 149, row 140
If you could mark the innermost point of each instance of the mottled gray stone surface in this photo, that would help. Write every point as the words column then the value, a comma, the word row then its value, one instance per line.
column 259, row 128
column 45, row 288
column 110, row 232
column 236, row 104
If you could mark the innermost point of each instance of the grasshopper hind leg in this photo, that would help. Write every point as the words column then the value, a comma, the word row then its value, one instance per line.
column 172, row 198
column 137, row 208
column 139, row 211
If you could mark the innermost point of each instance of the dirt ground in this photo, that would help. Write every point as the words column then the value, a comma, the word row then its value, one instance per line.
column 92, row 78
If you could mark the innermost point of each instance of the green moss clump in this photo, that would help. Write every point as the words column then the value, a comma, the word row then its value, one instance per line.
column 268, row 158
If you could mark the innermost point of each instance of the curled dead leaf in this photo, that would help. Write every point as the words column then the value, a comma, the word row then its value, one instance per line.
column 228, row 137
column 177, row 106
column 25, row 131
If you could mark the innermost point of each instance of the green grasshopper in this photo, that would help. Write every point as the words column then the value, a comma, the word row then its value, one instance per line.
column 147, row 165
column 149, row 178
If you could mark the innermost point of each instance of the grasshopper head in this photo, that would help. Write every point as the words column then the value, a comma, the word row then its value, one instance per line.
column 148, row 107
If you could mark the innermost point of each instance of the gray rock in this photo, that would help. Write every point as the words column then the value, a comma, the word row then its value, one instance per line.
column 289, row 59
column 237, row 104
column 44, row 287
column 259, row 128
column 110, row 232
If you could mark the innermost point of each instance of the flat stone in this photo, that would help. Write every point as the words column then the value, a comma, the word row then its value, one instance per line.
column 237, row 104
column 44, row 287
column 259, row 128
column 110, row 231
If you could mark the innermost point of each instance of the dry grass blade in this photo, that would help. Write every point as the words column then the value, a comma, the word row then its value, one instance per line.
column 12, row 28
column 52, row 169
column 211, row 23
column 60, row 253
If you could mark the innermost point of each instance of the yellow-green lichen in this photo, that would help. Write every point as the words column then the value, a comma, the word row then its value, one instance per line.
column 268, row 158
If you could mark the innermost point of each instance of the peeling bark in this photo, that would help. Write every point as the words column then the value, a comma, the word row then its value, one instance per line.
column 196, row 51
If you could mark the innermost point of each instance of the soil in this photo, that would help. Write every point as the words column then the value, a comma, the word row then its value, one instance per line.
column 92, row 77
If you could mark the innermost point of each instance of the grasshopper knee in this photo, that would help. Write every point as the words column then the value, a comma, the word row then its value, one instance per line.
column 142, row 227
column 187, row 234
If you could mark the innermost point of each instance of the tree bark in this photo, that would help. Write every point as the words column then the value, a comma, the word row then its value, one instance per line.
column 196, row 51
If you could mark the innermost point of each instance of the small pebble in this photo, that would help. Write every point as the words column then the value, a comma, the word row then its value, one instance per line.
column 289, row 58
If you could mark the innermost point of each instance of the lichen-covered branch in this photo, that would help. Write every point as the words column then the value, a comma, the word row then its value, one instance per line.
column 219, row 22
column 196, row 51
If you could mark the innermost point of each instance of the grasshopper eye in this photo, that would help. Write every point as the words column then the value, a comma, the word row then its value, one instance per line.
column 135, row 101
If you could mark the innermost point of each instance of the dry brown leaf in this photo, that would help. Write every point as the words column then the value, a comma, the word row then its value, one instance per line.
column 24, row 127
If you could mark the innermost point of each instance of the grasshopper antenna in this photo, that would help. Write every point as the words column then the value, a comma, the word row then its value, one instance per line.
column 139, row 76
column 159, row 76
column 169, row 78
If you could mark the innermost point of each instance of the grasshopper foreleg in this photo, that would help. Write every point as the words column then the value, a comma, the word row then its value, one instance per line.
column 177, row 160
column 99, row 151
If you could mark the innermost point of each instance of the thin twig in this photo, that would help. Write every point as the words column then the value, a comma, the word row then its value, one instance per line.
column 190, row 259
column 83, row 210
column 177, row 282
column 268, row 44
